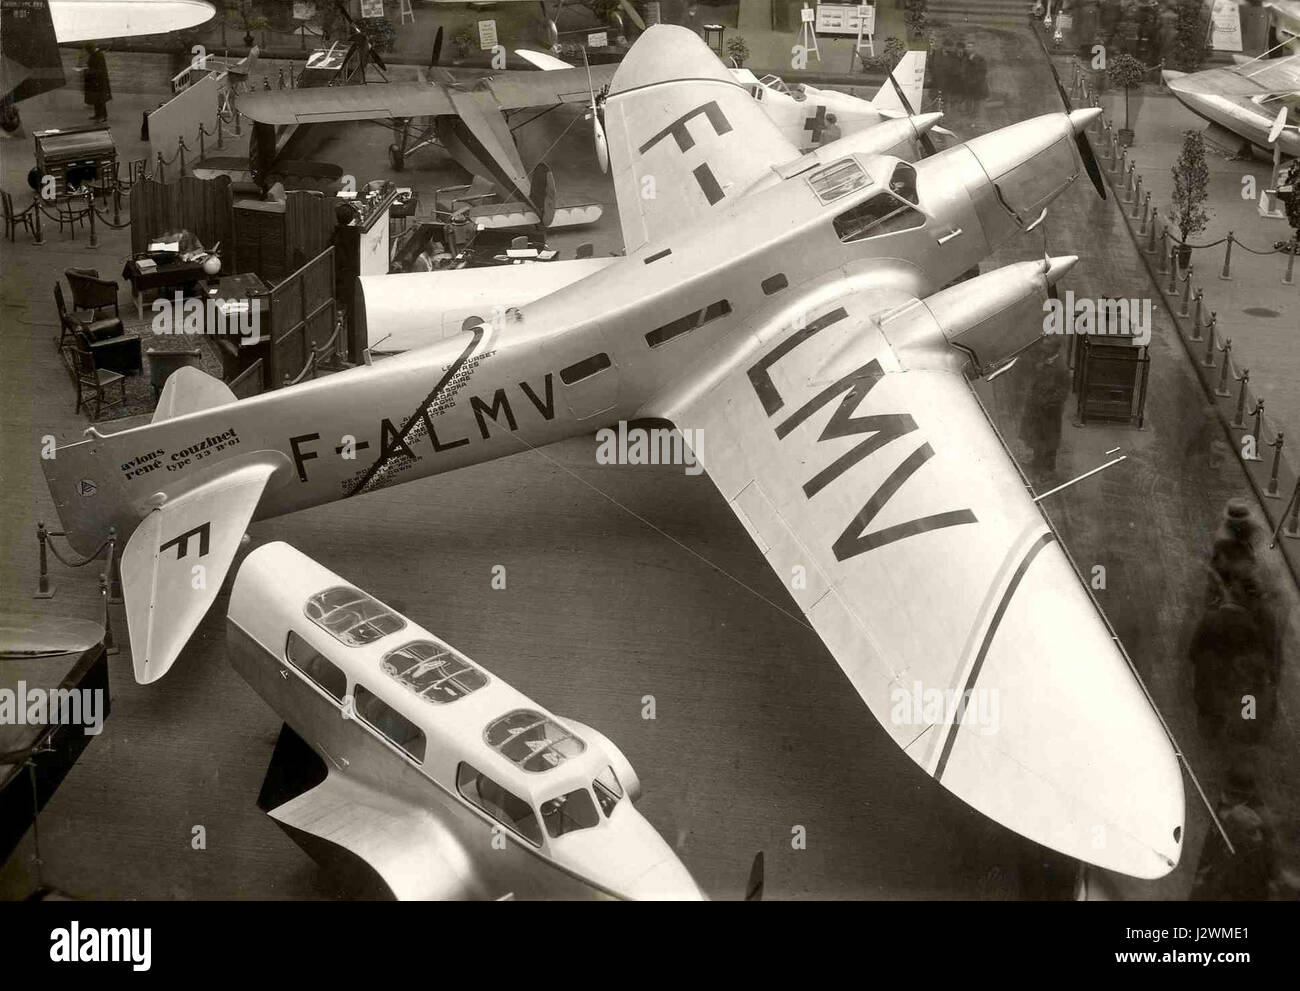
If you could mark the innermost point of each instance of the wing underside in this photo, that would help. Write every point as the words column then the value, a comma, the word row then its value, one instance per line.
column 883, row 499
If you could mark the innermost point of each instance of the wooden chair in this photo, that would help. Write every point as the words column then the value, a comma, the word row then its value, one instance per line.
column 90, row 292
column 93, row 381
column 114, row 350
column 13, row 218
column 70, row 211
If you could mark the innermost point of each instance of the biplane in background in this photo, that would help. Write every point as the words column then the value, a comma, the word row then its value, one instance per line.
column 803, row 313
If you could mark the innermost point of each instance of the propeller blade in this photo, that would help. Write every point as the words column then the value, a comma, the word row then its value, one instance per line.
column 602, row 144
column 437, row 48
column 754, row 889
column 1086, row 153
column 927, row 143
column 1279, row 125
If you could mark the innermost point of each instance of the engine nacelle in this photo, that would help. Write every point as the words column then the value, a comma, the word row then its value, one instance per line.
column 990, row 318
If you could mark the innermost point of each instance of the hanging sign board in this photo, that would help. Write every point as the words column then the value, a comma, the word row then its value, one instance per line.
column 372, row 8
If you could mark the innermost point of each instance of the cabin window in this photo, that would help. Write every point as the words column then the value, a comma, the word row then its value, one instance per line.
column 903, row 182
column 774, row 284
column 570, row 812
column 501, row 805
column 351, row 616
column 684, row 325
column 533, row 741
column 584, row 369
column 838, row 179
column 433, row 672
column 881, row 214
column 396, row 728
column 608, row 790
column 316, row 666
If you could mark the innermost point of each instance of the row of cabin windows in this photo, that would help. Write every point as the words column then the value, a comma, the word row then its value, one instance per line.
column 684, row 325
column 513, row 735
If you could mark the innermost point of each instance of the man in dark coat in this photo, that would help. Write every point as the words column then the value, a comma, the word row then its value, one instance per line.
column 979, row 77
column 95, row 83
column 1040, row 421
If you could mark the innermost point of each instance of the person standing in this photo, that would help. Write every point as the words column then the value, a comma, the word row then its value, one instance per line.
column 95, row 83
column 979, row 73
column 1040, row 422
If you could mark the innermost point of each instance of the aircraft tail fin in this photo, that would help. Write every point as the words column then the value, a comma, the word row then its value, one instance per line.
column 30, row 63
column 177, row 558
column 910, row 73
column 188, row 390
column 541, row 192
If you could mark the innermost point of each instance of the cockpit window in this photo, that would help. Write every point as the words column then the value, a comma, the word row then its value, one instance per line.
column 500, row 804
column 877, row 215
column 838, row 179
column 533, row 741
column 351, row 616
column 433, row 672
column 569, row 813
column 608, row 790
column 903, row 182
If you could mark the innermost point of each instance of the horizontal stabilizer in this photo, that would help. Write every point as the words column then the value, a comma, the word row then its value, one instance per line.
column 176, row 560
column 188, row 390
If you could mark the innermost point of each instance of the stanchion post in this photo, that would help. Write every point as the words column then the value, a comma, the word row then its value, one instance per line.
column 221, row 132
column 90, row 211
column 114, row 568
column 1172, row 288
column 1146, row 213
column 1222, row 389
column 117, row 205
column 1239, row 420
column 1208, row 360
column 39, row 240
column 1226, row 274
column 1199, row 316
column 1151, row 235
column 1292, row 529
column 44, row 590
column 1137, row 198
column 1128, row 185
column 1289, row 278
column 1166, row 246
column 1186, row 308
column 1271, row 489
column 203, row 145
column 1258, row 414
column 110, row 645
column 162, row 169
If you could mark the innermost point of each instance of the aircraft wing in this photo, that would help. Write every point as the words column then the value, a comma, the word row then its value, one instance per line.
column 177, row 558
column 684, row 137
column 886, row 503
column 87, row 20
column 416, row 857
column 321, row 104
column 516, row 89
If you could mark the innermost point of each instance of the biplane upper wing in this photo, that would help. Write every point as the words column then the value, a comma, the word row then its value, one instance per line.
column 885, row 502
column 404, row 844
column 684, row 137
column 321, row 104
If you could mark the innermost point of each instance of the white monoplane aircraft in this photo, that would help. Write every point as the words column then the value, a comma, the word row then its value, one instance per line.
column 792, row 309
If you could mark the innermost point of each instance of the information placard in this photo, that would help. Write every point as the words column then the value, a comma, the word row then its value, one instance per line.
column 372, row 8
column 843, row 18
column 598, row 39
column 487, row 35
column 1225, row 27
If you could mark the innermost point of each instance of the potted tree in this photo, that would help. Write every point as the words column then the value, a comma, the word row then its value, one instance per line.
column 1288, row 192
column 1189, row 39
column 738, row 50
column 1191, row 188
column 915, row 15
column 1124, row 71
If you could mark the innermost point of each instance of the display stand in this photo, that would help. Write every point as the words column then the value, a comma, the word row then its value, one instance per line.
column 807, row 36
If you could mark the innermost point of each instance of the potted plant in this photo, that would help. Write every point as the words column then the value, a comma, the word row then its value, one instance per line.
column 890, row 54
column 1123, row 70
column 463, row 41
column 1191, row 188
column 915, row 14
column 738, row 50
column 1189, row 40
column 1288, row 193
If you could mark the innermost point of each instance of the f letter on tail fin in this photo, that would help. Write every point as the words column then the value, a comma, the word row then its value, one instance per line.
column 176, row 560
